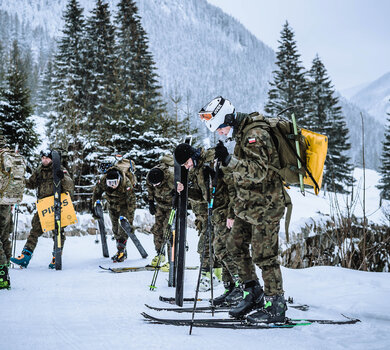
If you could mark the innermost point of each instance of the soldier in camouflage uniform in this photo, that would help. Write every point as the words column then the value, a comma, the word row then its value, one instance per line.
column 42, row 180
column 119, row 193
column 259, row 202
column 221, row 212
column 198, row 162
column 160, row 185
column 6, row 228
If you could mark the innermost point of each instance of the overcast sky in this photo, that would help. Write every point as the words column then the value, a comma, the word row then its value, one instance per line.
column 351, row 37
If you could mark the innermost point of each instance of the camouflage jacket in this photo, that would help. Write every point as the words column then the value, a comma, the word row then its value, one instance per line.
column 42, row 180
column 162, row 193
column 121, row 197
column 197, row 191
column 255, row 188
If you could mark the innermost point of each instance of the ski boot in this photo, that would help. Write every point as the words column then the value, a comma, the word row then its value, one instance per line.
column 121, row 254
column 253, row 298
column 5, row 282
column 165, row 267
column 158, row 259
column 235, row 296
column 205, row 281
column 52, row 264
column 23, row 259
column 221, row 300
column 273, row 311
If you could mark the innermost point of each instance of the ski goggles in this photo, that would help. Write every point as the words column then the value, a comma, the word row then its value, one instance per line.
column 112, row 182
column 205, row 115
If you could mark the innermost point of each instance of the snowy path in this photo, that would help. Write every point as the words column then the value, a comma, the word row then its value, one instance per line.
column 83, row 307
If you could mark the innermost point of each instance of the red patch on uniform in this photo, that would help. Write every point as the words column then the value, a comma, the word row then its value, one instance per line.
column 252, row 140
column 128, row 188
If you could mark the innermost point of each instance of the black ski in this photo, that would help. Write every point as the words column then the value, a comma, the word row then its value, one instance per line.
column 137, row 268
column 242, row 324
column 181, row 231
column 102, row 229
column 211, row 309
column 130, row 232
column 57, row 177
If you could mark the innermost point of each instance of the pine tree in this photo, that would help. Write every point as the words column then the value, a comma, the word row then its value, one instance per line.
column 289, row 87
column 45, row 102
column 384, row 185
column 102, row 90
column 2, row 66
column 324, row 115
column 66, row 102
column 15, row 109
column 143, row 122
column 61, row 91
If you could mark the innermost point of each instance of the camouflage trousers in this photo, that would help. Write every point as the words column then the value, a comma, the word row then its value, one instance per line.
column 36, row 232
column 118, row 232
column 160, row 225
column 204, row 243
column 264, row 242
column 221, row 236
column 6, row 228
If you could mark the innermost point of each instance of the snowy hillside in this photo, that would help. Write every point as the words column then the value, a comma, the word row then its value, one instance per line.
column 373, row 135
column 200, row 53
column 375, row 98
column 83, row 307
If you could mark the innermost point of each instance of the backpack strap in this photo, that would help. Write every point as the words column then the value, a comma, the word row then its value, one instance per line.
column 289, row 205
column 300, row 159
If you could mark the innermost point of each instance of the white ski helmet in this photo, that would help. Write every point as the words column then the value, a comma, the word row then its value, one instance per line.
column 213, row 113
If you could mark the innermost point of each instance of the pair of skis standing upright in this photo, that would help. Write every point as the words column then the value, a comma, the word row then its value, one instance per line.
column 124, row 223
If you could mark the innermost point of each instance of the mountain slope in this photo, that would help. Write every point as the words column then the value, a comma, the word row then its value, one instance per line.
column 200, row 53
column 375, row 98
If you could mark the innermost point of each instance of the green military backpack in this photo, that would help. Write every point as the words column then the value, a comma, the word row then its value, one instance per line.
column 127, row 166
column 282, row 133
column 12, row 183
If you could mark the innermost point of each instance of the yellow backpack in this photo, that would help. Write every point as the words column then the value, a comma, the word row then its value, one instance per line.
column 317, row 147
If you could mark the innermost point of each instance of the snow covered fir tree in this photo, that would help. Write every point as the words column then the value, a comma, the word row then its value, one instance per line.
column 385, row 167
column 324, row 115
column 289, row 85
column 16, row 108
column 315, row 106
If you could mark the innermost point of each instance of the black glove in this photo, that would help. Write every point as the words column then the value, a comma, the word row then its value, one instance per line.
column 222, row 154
column 152, row 208
column 93, row 211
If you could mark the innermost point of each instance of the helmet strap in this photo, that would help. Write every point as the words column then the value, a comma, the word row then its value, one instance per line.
column 230, row 119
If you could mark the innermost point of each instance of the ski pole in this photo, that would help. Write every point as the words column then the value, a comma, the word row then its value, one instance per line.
column 210, row 212
column 15, row 230
column 166, row 238
column 197, row 286
column 298, row 152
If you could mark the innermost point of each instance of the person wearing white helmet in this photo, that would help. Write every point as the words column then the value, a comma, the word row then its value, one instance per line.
column 218, row 115
column 258, row 200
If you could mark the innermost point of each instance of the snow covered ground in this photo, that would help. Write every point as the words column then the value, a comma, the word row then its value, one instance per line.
column 83, row 307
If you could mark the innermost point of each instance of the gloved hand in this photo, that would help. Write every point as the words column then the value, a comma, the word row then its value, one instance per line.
column 152, row 208
column 175, row 196
column 93, row 211
column 222, row 154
